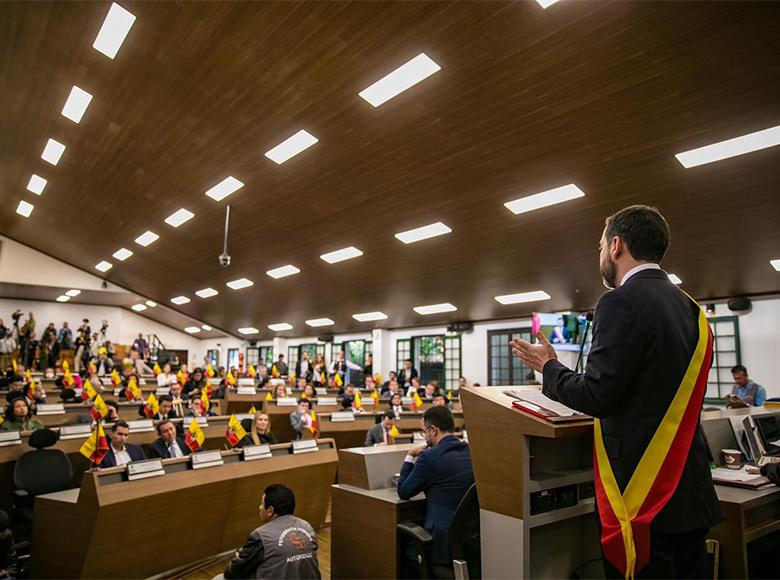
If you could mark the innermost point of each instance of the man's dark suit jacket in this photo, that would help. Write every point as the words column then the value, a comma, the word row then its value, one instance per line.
column 403, row 379
column 134, row 451
column 444, row 473
column 160, row 449
column 644, row 334
column 158, row 416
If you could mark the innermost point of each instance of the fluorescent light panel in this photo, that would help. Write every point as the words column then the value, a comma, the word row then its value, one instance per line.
column 53, row 151
column 77, row 104
column 435, row 308
column 179, row 217
column 730, row 148
column 674, row 279
column 423, row 233
column 775, row 264
column 63, row 298
column 146, row 238
column 369, row 316
column 404, row 77
column 103, row 266
column 291, row 146
column 248, row 330
column 224, row 188
column 545, row 198
column 546, row 3
column 73, row 293
column 205, row 327
column 207, row 293
column 179, row 300
column 283, row 271
column 280, row 326
column 534, row 296
column 341, row 255
column 36, row 184
column 239, row 284
column 316, row 322
column 25, row 208
column 192, row 329
column 151, row 303
column 138, row 307
column 122, row 254
column 114, row 30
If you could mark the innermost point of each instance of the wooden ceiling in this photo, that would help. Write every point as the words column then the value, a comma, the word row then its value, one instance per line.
column 601, row 94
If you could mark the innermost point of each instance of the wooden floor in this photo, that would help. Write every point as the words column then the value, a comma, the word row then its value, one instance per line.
column 207, row 572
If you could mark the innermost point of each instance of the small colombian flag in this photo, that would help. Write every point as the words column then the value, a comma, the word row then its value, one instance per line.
column 152, row 407
column 95, row 447
column 235, row 431
column 195, row 437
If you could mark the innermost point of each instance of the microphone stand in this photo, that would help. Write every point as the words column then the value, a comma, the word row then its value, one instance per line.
column 588, row 320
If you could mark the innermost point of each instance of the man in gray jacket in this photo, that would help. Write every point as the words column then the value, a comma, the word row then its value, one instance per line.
column 282, row 547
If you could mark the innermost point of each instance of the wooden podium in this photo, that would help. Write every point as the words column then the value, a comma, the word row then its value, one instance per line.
column 535, row 486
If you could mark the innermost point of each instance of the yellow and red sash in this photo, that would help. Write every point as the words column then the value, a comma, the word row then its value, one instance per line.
column 625, row 518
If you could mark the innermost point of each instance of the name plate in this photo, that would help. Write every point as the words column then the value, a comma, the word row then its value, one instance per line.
column 342, row 416
column 242, row 416
column 202, row 421
column 252, row 452
column 214, row 381
column 162, row 391
column 274, row 382
column 327, row 401
column 246, row 391
column 321, row 391
column 203, row 459
column 245, row 382
column 75, row 431
column 118, row 391
column 286, row 402
column 418, row 437
column 10, row 438
column 141, row 426
column 142, row 382
column 144, row 469
column 51, row 409
column 367, row 401
column 78, row 392
column 306, row 446
column 406, row 400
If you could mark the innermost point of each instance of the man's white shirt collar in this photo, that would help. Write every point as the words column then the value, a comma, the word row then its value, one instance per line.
column 639, row 268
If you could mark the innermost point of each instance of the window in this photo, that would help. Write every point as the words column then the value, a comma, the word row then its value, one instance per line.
column 355, row 352
column 429, row 355
column 403, row 348
column 267, row 355
column 503, row 367
column 452, row 361
column 252, row 356
column 312, row 348
column 232, row 358
column 725, row 354
column 328, row 353
column 213, row 356
column 292, row 359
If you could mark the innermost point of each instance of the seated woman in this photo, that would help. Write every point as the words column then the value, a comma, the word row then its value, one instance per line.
column 280, row 391
column 395, row 405
column 260, row 433
column 300, row 419
column 18, row 416
column 197, row 382
column 309, row 391
column 197, row 410
column 166, row 378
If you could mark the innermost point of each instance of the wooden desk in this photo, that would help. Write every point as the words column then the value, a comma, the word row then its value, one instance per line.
column 118, row 525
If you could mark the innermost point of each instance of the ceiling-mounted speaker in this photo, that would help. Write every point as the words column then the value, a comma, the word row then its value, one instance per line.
column 739, row 304
column 460, row 327
column 252, row 343
column 325, row 338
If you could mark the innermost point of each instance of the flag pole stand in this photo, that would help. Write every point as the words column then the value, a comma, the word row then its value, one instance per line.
column 94, row 453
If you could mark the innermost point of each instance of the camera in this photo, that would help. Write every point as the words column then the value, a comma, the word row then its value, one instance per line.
column 224, row 260
column 16, row 316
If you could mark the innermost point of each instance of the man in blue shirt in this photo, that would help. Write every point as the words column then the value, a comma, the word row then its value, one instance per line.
column 441, row 469
column 744, row 392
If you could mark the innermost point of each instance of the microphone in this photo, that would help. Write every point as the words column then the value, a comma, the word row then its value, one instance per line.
column 588, row 320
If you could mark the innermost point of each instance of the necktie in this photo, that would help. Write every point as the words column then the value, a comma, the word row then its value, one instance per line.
column 172, row 451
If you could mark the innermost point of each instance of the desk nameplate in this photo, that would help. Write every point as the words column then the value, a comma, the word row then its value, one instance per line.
column 51, row 409
column 246, row 391
column 253, row 452
column 10, row 438
column 75, row 431
column 144, row 469
column 342, row 416
column 304, row 446
column 325, row 401
column 141, row 426
column 202, row 421
column 286, row 402
column 203, row 459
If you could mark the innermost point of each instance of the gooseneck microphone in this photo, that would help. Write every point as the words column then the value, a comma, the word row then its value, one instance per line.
column 588, row 320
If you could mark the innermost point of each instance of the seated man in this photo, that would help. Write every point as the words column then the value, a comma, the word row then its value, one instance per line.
column 386, row 385
column 169, row 444
column 442, row 469
column 284, row 546
column 745, row 392
column 349, row 396
column 166, row 409
column 300, row 383
column 300, row 419
column 113, row 411
column 379, row 434
column 392, row 389
column 430, row 391
column 439, row 400
column 120, row 452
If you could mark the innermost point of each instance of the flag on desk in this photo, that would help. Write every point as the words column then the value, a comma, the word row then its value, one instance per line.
column 230, row 379
column 235, row 431
column 210, row 372
column 92, row 369
column 181, row 378
column 292, row 380
column 156, row 369
column 251, row 372
column 394, row 432
column 95, row 447
column 314, row 427
column 132, row 391
column 358, row 404
column 204, row 401
column 337, row 380
column 378, row 379
column 416, row 400
column 88, row 391
column 152, row 407
column 269, row 396
column 99, row 409
column 27, row 376
column 13, row 365
column 195, row 437
column 323, row 380
column 252, row 411
column 116, row 380
column 67, row 377
column 274, row 371
column 375, row 396
column 29, row 390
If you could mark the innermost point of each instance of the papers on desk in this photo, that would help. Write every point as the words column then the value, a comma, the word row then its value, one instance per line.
column 738, row 478
column 538, row 399
column 535, row 403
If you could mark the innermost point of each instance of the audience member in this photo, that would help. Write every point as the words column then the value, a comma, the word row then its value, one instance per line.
column 430, row 391
column 300, row 383
column 392, row 389
column 439, row 400
column 262, row 375
column 195, row 384
column 113, row 411
column 415, row 385
column 300, row 418
column 379, row 434
column 198, row 409
column 319, row 370
column 395, row 406
column 309, row 391
column 368, row 368
column 462, row 383
column 391, row 376
column 303, row 368
column 176, row 393
column 281, row 366
column 260, row 432
column 280, row 390
column 406, row 374
column 120, row 452
column 167, row 377
column 166, row 411
column 141, row 347
column 104, row 365
column 169, row 444
column 348, row 399
column 18, row 415
column 745, row 392
column 65, row 337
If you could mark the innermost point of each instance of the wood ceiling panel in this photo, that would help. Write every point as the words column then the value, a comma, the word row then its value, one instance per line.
column 600, row 94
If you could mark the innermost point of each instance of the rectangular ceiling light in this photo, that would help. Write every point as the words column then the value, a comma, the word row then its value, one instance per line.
column 114, row 30
column 192, row 329
column 546, row 3
column 25, row 208
column 316, row 322
column 179, row 217
column 77, row 104
column 369, row 316
column 146, row 238
column 151, row 303
column 435, row 308
column 179, row 300
column 207, row 293
column 404, row 77
column 248, row 330
column 224, row 188
column 280, row 326
column 423, row 233
column 291, row 146
column 341, row 255
column 63, row 298
column 205, row 327
column 72, row 293
column 730, row 148
column 283, row 271
column 53, row 151
column 36, row 184
column 534, row 296
column 239, row 284
column 122, row 254
column 775, row 264
column 138, row 307
column 674, row 279
column 545, row 198
column 103, row 266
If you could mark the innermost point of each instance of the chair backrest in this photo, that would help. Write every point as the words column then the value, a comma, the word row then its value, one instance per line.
column 247, row 425
column 465, row 532
column 43, row 471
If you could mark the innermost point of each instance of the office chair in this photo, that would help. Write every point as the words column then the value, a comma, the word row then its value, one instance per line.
column 464, row 544
column 247, row 424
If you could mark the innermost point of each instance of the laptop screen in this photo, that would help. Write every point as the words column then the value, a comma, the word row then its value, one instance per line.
column 719, row 435
column 769, row 431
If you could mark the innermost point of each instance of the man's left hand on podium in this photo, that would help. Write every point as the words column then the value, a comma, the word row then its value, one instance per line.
column 534, row 356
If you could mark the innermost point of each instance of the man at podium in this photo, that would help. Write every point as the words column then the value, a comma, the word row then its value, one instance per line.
column 644, row 384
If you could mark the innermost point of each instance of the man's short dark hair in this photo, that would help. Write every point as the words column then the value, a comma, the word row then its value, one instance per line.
column 408, row 360
column 121, row 423
column 643, row 230
column 738, row 369
column 281, row 498
column 439, row 417
column 388, row 414
column 113, row 403
column 439, row 395
column 165, row 398
column 163, row 422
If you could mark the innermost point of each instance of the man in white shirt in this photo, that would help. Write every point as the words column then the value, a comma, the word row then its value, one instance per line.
column 121, row 452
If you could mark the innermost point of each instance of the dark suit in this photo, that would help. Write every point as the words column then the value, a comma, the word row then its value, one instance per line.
column 309, row 371
column 644, row 334
column 403, row 379
column 444, row 473
column 160, row 449
column 157, row 416
column 134, row 451
column 376, row 435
